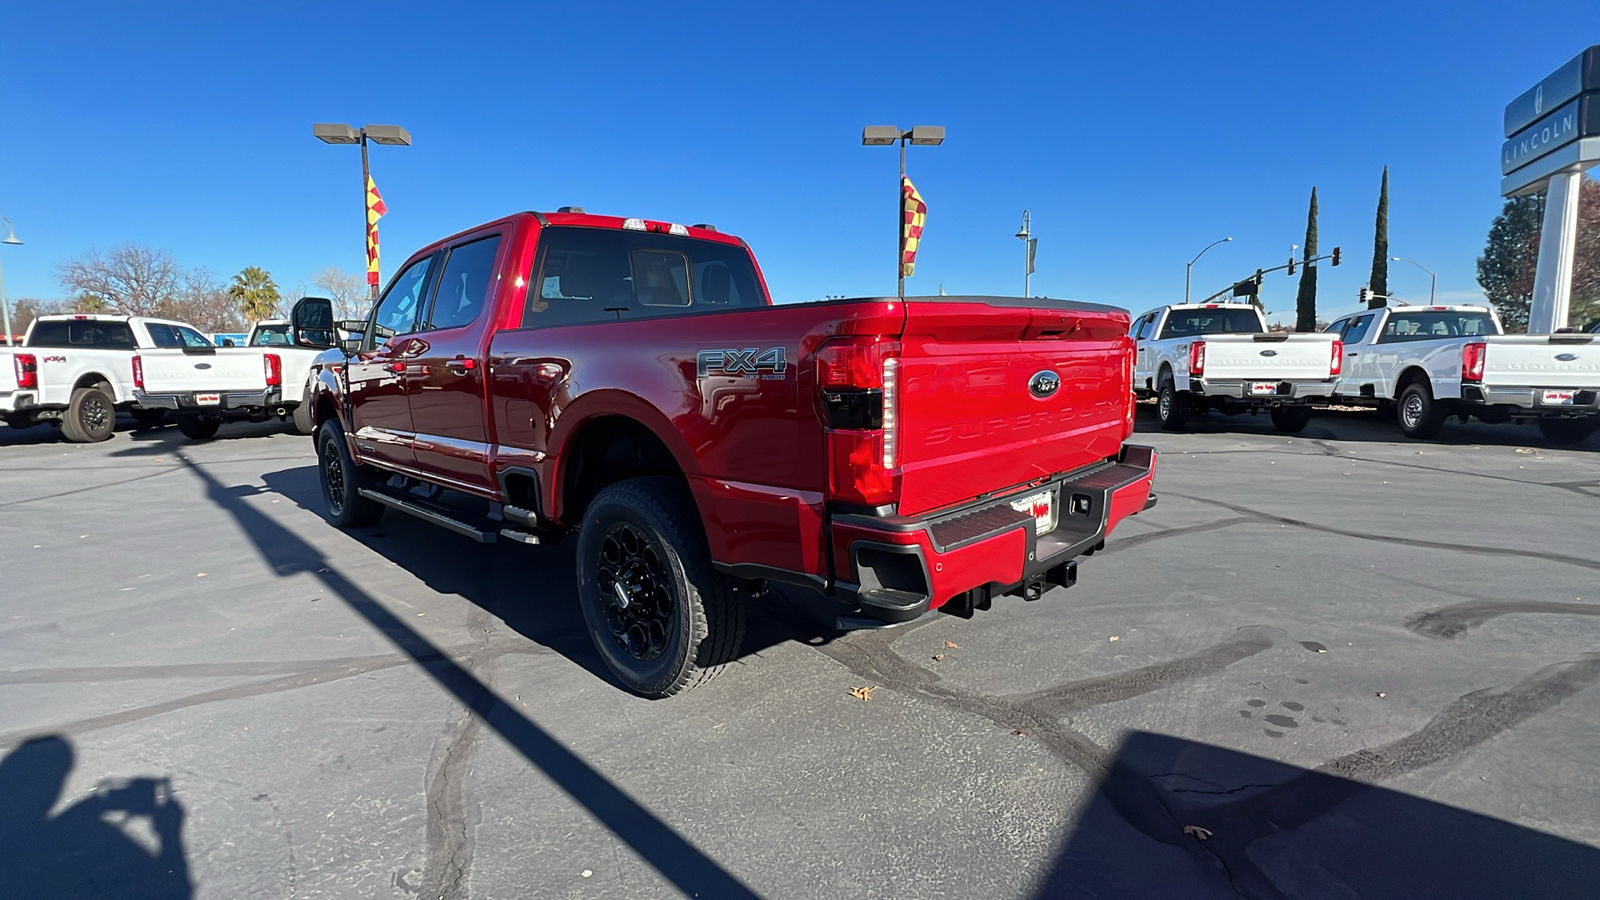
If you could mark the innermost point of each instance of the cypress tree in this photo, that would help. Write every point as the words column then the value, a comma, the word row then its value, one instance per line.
column 1306, row 301
column 1380, row 244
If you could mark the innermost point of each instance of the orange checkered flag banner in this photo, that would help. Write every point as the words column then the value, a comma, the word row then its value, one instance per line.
column 375, row 211
column 915, row 211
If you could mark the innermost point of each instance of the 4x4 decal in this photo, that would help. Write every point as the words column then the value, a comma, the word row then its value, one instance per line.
column 742, row 363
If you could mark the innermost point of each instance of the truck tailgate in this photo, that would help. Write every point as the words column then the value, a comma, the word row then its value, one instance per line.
column 177, row 371
column 1543, row 360
column 977, row 414
column 1269, row 357
column 8, row 372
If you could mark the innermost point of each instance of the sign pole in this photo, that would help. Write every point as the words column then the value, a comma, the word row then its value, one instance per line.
column 1552, row 279
column 366, row 234
column 900, row 219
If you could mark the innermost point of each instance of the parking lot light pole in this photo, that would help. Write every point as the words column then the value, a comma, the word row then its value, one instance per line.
column 1431, row 285
column 5, row 306
column 1195, row 260
column 392, row 135
column 883, row 136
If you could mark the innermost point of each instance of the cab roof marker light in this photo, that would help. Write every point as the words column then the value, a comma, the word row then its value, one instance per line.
column 634, row 225
column 678, row 229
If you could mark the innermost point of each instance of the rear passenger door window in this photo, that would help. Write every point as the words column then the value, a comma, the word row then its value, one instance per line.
column 466, row 284
column 1356, row 329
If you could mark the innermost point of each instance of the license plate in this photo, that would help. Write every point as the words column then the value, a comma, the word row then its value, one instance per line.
column 207, row 399
column 1042, row 506
column 1558, row 398
column 1263, row 387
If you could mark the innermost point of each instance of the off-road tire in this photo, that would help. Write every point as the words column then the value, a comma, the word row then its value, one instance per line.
column 91, row 415
column 1172, row 407
column 1418, row 414
column 342, row 480
column 1567, row 431
column 645, row 534
column 1291, row 419
column 199, row 428
column 304, row 421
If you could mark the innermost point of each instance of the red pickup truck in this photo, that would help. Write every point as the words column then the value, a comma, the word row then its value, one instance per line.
column 632, row 381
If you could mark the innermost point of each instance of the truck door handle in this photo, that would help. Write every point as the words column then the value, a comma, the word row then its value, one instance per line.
column 1352, row 354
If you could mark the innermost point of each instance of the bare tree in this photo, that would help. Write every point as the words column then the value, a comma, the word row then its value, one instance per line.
column 131, row 280
column 347, row 290
column 26, row 309
column 204, row 303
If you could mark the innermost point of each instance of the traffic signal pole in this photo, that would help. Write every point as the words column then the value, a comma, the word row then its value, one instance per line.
column 1311, row 261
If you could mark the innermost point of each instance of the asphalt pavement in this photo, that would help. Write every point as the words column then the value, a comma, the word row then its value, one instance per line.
column 1334, row 664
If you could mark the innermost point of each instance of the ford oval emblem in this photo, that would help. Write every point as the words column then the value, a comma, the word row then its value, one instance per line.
column 1566, row 357
column 1043, row 384
column 202, row 365
column 1269, row 353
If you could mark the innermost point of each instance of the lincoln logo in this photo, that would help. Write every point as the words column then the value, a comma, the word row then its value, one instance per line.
column 1566, row 357
column 1269, row 353
column 1043, row 384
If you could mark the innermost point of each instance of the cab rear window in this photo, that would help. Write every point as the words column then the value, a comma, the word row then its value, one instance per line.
column 1190, row 322
column 70, row 333
column 603, row 275
column 1432, row 326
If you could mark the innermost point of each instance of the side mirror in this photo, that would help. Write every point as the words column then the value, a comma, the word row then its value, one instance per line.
column 311, row 323
column 228, row 342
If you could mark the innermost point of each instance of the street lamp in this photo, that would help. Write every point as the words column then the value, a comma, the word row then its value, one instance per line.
column 1432, row 284
column 5, row 307
column 1029, row 244
column 391, row 135
column 884, row 136
column 1195, row 260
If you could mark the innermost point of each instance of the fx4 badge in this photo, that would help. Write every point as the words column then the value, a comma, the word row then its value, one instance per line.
column 764, row 364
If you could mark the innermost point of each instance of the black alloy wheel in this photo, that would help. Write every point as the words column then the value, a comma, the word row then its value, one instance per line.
column 662, row 619
column 342, row 480
column 1172, row 408
column 91, row 415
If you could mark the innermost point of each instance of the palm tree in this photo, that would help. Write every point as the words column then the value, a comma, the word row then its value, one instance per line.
column 255, row 292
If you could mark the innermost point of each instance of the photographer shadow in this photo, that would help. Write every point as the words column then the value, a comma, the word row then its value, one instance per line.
column 123, row 842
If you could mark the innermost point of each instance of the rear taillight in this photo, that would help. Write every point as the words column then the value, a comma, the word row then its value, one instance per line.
column 858, row 381
column 1197, row 358
column 27, row 370
column 274, row 369
column 138, row 373
column 1336, row 364
column 1472, row 361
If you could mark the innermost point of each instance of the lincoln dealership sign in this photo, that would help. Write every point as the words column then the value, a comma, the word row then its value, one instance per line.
column 1579, row 118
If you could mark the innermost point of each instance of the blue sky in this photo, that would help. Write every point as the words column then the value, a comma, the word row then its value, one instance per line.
column 1136, row 133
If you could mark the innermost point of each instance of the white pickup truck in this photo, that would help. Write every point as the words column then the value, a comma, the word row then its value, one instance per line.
column 1204, row 356
column 205, row 386
column 1432, row 362
column 77, row 371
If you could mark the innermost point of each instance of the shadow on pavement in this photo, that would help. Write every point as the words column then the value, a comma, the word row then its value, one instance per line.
column 1279, row 831
column 534, row 589
column 669, row 853
column 87, row 850
column 1362, row 425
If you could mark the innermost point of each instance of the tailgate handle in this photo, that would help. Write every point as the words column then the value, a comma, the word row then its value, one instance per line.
column 1266, row 338
column 1050, row 327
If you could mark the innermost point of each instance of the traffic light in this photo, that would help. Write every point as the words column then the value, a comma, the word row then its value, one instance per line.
column 1366, row 295
column 1335, row 256
column 1291, row 264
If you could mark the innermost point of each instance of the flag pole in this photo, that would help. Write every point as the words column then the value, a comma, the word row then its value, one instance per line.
column 900, row 218
column 366, row 234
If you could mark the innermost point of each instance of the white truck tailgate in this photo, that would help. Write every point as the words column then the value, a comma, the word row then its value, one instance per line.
column 1560, row 361
column 175, row 371
column 1269, row 357
column 8, row 371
